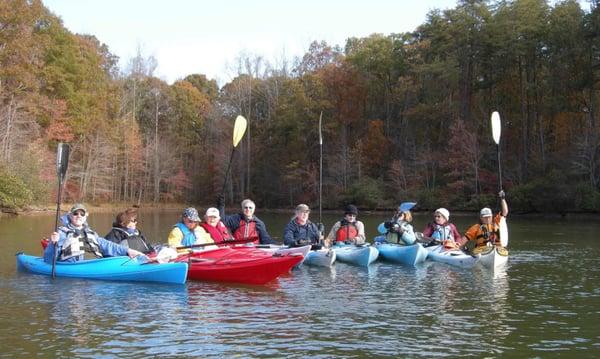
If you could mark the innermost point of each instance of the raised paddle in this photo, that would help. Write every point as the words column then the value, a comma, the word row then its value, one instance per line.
column 496, row 130
column 321, row 226
column 62, row 162
column 239, row 128
column 226, row 243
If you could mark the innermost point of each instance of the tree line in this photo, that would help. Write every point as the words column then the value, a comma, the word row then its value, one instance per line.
column 405, row 116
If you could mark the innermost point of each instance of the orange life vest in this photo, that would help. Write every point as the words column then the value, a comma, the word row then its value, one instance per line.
column 346, row 232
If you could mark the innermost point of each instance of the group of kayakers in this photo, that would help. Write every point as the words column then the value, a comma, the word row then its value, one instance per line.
column 441, row 230
column 74, row 237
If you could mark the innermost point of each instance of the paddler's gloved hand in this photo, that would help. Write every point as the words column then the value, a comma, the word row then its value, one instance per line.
column 501, row 194
column 302, row 242
column 220, row 201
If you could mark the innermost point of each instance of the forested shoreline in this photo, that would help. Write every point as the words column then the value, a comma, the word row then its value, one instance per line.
column 406, row 116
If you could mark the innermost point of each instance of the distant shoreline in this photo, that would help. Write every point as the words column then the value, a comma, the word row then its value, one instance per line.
column 117, row 207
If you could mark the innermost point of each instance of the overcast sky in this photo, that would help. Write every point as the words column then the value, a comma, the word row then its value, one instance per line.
column 188, row 36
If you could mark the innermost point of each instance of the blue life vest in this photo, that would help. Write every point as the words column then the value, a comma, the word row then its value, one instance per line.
column 188, row 236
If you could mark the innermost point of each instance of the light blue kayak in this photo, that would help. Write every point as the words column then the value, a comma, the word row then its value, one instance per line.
column 323, row 257
column 410, row 255
column 110, row 268
column 359, row 255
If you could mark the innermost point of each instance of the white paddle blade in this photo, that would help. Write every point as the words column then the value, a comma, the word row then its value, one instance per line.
column 320, row 132
column 503, row 232
column 239, row 128
column 59, row 156
column 496, row 127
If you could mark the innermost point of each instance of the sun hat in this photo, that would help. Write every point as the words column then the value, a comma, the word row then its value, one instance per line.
column 302, row 208
column 78, row 207
column 212, row 212
column 192, row 214
column 485, row 212
column 444, row 212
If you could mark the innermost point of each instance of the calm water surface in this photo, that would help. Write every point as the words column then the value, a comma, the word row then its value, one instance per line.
column 545, row 304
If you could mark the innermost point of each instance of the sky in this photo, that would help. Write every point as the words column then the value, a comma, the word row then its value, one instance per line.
column 194, row 36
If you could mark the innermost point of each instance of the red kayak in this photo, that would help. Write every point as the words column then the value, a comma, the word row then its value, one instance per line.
column 246, row 265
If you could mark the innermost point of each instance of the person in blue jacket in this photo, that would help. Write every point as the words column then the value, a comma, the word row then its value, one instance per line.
column 300, row 231
column 75, row 238
column 245, row 226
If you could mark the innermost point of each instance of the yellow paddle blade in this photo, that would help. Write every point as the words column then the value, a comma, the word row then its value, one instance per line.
column 239, row 128
column 496, row 127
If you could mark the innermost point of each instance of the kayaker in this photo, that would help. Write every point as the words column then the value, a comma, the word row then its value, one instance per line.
column 300, row 231
column 442, row 230
column 245, row 226
column 125, row 232
column 184, row 232
column 347, row 230
column 215, row 227
column 75, row 238
column 399, row 229
column 488, row 229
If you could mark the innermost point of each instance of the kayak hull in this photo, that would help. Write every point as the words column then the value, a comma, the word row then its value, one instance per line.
column 323, row 257
column 110, row 268
column 409, row 255
column 494, row 258
column 454, row 257
column 357, row 255
column 285, row 250
column 243, row 265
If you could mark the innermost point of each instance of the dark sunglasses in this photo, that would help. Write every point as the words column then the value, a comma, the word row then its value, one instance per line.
column 78, row 213
column 248, row 207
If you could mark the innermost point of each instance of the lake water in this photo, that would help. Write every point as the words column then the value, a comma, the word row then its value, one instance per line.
column 546, row 303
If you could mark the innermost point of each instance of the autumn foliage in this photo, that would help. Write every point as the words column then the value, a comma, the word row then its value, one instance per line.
column 405, row 115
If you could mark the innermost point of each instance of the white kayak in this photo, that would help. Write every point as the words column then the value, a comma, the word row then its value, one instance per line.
column 454, row 257
column 493, row 257
column 361, row 255
column 285, row 250
column 324, row 257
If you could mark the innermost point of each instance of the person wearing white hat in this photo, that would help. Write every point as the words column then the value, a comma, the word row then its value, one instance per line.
column 488, row 229
column 442, row 230
column 215, row 227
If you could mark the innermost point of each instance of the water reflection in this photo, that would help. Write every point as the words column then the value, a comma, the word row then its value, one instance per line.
column 544, row 301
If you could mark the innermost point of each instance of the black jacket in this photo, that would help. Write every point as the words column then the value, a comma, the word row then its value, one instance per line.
column 135, row 241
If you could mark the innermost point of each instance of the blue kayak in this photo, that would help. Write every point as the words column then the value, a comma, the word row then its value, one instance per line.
column 409, row 255
column 111, row 268
column 361, row 255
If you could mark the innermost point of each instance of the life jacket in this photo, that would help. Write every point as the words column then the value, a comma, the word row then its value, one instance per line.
column 219, row 233
column 79, row 241
column 487, row 233
column 445, row 236
column 347, row 231
column 133, row 240
column 188, row 236
column 246, row 231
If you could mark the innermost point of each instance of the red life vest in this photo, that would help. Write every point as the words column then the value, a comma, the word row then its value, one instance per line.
column 247, row 231
column 219, row 233
column 346, row 232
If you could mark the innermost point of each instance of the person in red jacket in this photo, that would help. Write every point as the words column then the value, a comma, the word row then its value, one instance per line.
column 213, row 225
